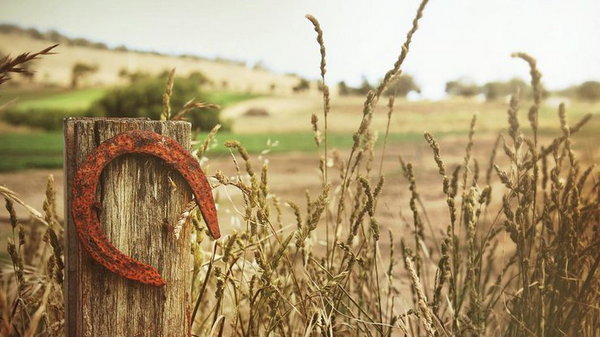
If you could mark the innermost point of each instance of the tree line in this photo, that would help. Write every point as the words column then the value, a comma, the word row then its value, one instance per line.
column 491, row 91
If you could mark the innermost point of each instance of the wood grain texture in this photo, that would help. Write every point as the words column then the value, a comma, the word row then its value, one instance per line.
column 137, row 202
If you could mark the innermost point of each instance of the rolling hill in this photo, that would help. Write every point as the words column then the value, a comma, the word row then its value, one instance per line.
column 57, row 69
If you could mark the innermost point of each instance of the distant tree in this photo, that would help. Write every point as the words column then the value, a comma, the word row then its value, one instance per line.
column 462, row 88
column 499, row 89
column 302, row 85
column 9, row 28
column 36, row 34
column 99, row 45
column 495, row 90
column 79, row 42
column 54, row 36
column 365, row 87
column 144, row 99
column 133, row 77
column 272, row 87
column 124, row 73
column 259, row 65
column 589, row 91
column 403, row 85
column 81, row 70
column 199, row 78
column 344, row 89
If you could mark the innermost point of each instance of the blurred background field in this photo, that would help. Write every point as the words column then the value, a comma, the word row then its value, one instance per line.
column 266, row 111
column 285, row 127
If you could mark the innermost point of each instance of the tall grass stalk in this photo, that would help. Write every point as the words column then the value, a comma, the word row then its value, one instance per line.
column 514, row 254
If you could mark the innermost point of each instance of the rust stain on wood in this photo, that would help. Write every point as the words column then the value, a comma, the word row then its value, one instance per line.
column 84, row 205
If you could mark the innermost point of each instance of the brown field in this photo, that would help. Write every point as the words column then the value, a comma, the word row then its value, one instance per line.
column 291, row 174
column 448, row 119
column 292, row 114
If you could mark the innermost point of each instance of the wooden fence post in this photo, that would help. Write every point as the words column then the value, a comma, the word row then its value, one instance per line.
column 138, row 202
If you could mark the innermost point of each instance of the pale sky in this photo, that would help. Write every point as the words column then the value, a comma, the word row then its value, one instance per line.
column 457, row 38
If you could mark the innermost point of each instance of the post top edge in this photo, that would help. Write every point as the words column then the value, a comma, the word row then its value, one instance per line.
column 144, row 120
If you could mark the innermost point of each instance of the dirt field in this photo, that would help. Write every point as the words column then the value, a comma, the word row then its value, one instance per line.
column 290, row 175
column 292, row 114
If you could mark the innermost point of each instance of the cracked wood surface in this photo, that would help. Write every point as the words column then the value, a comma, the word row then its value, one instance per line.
column 138, row 205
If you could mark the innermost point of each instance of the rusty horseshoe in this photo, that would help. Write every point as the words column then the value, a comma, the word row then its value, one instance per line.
column 84, row 205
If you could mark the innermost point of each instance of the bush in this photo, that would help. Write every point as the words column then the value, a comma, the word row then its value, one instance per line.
column 302, row 85
column 343, row 89
column 144, row 99
column 462, row 88
column 497, row 89
column 206, row 119
column 47, row 119
column 589, row 91
column 402, row 86
column 81, row 70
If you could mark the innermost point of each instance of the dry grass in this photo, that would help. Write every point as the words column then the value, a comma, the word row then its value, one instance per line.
column 17, row 64
column 519, row 254
column 31, row 295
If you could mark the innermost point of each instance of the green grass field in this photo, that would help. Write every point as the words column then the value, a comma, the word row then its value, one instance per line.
column 36, row 150
column 227, row 98
column 81, row 99
column 45, row 150
column 54, row 99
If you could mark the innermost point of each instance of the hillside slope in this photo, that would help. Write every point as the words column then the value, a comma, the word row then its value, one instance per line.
column 56, row 69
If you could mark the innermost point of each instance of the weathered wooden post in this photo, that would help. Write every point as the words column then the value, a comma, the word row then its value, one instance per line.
column 140, row 200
